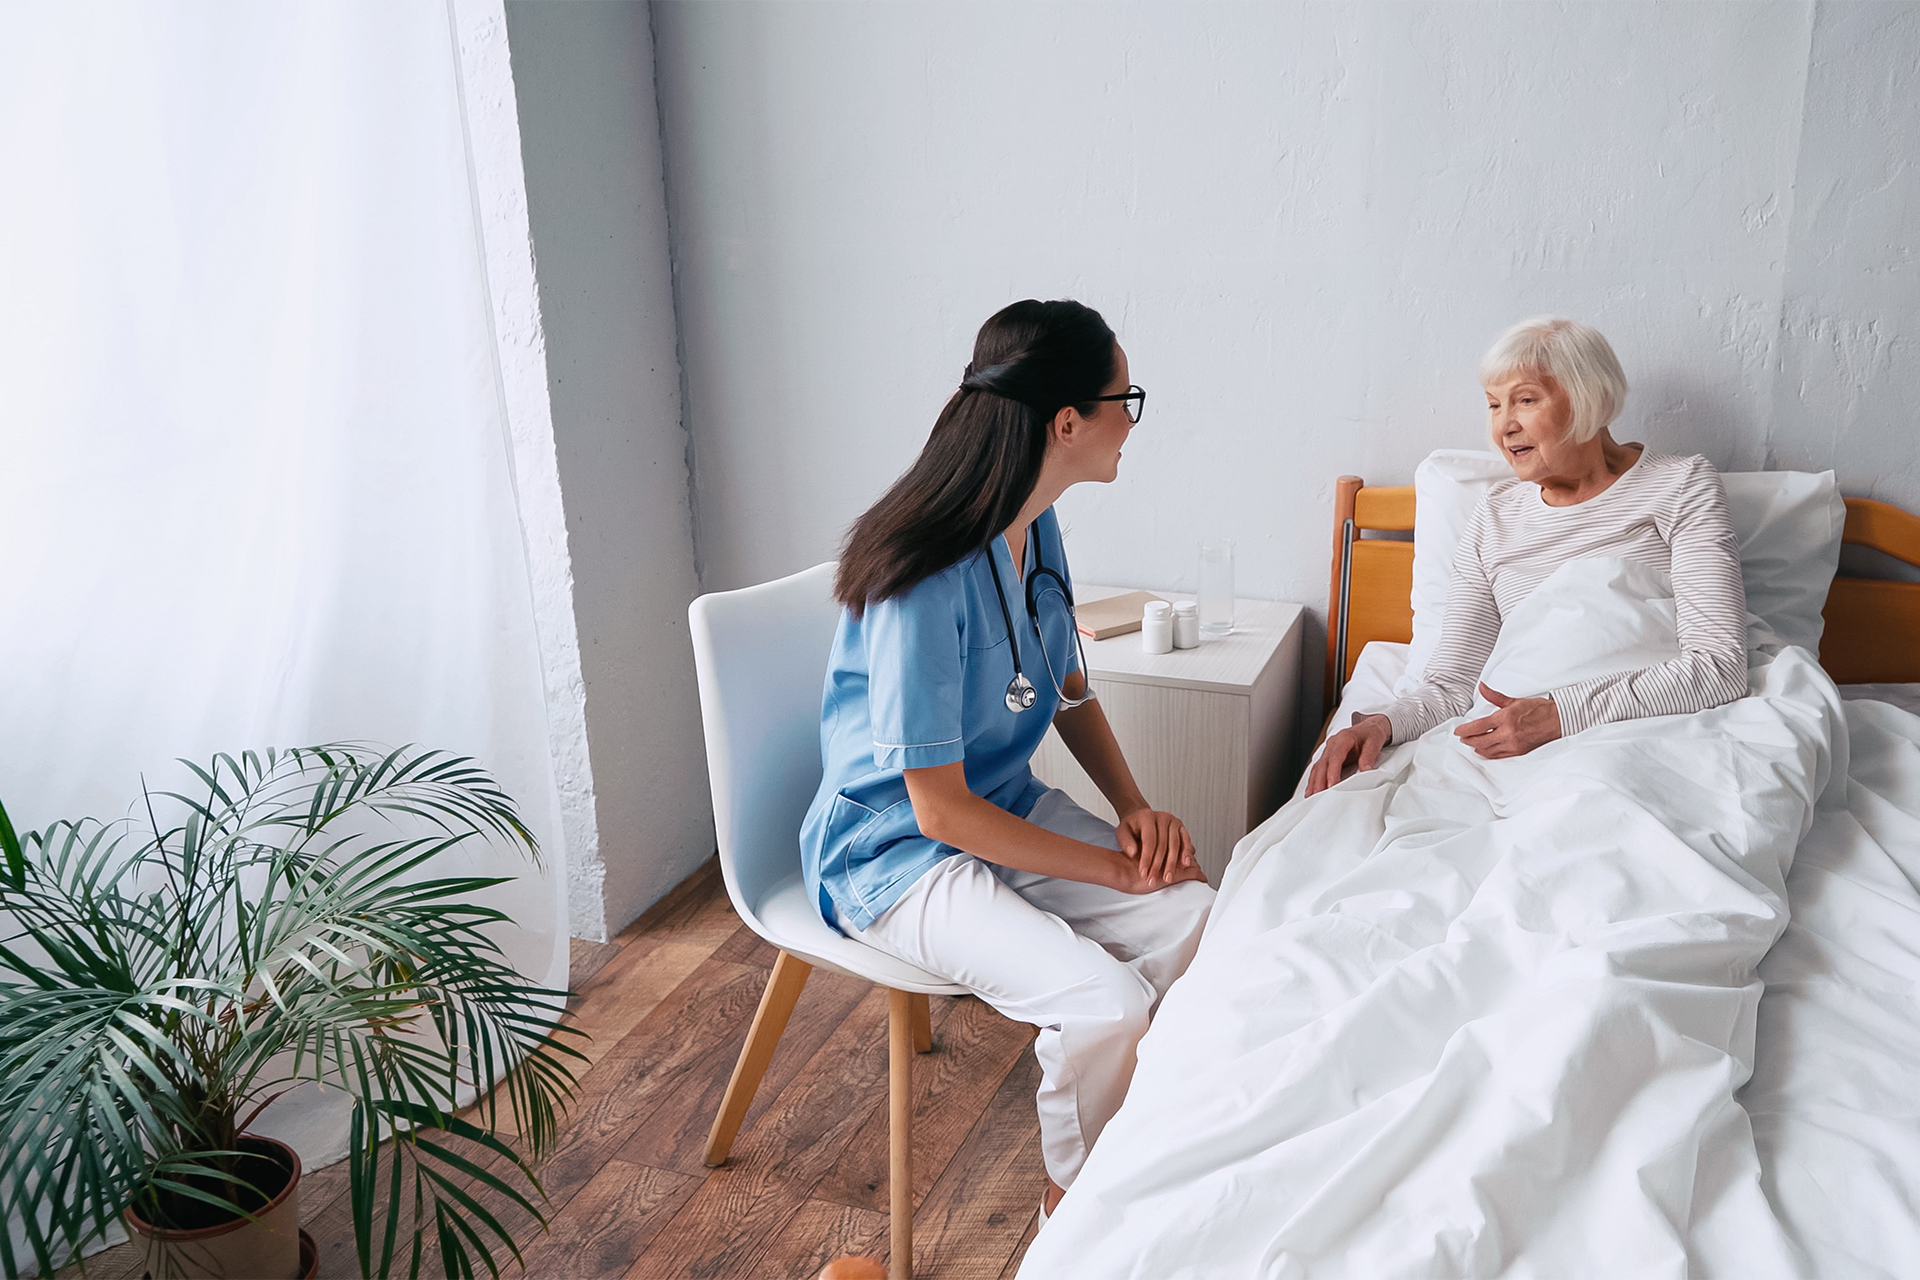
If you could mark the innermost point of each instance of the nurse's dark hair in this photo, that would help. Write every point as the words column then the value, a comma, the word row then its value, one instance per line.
column 980, row 465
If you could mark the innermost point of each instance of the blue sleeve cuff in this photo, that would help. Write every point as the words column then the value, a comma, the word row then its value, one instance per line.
column 918, row 755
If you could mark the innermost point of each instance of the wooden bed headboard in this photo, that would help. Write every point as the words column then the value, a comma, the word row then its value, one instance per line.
column 1873, row 626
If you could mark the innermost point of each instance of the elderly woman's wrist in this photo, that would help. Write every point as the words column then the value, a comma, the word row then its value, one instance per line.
column 1376, row 721
column 1566, row 705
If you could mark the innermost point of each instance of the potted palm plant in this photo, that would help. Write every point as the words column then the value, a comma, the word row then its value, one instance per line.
column 283, row 921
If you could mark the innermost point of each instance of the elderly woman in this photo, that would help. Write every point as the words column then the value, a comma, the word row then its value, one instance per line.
column 1553, row 388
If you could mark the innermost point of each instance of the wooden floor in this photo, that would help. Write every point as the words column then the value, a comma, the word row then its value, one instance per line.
column 667, row 1004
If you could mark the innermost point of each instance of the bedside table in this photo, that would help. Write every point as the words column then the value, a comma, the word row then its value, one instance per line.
column 1207, row 731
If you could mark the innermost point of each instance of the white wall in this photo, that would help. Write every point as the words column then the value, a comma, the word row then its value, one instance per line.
column 1305, row 223
column 490, row 125
column 590, row 135
column 1847, row 386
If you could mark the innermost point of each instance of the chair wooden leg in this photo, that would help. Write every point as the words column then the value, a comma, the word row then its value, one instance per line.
column 922, row 1025
column 769, row 1020
column 900, row 1037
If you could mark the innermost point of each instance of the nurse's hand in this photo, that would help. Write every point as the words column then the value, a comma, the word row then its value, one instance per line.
column 1158, row 842
column 1128, row 875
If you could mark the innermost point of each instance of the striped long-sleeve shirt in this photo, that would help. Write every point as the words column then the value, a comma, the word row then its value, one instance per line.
column 1665, row 511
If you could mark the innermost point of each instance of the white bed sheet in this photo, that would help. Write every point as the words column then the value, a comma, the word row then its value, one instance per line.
column 1835, row 1094
column 1904, row 696
column 1273, row 1131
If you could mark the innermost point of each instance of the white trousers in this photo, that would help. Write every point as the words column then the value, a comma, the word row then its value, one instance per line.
column 1085, row 964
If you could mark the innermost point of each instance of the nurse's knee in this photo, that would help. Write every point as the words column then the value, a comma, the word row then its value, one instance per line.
column 1193, row 900
column 1126, row 1003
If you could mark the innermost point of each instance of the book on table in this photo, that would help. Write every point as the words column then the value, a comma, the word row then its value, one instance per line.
column 1113, row 616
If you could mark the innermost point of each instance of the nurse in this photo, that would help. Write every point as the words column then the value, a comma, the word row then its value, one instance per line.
column 930, row 839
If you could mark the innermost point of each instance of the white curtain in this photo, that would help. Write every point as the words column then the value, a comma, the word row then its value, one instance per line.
column 257, row 487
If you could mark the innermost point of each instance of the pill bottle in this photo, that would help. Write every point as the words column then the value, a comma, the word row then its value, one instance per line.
column 1186, row 625
column 1156, row 627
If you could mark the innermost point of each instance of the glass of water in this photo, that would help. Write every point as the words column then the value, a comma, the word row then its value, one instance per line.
column 1216, row 587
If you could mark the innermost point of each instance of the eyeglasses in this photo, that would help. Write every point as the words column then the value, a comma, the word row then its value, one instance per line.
column 1135, row 398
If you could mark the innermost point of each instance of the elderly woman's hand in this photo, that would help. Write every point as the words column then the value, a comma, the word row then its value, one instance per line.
column 1362, row 744
column 1520, row 725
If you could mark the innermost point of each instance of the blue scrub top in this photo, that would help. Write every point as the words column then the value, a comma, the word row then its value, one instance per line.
column 921, row 680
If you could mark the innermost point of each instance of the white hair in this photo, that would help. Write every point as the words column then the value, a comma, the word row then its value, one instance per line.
column 1575, row 355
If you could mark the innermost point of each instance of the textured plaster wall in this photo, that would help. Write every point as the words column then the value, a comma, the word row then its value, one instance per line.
column 1305, row 221
column 590, row 136
column 489, row 114
column 1847, row 387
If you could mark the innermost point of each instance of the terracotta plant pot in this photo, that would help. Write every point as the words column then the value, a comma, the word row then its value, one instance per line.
column 269, row 1247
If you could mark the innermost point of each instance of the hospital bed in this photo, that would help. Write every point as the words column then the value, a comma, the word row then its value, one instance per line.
column 1682, row 1106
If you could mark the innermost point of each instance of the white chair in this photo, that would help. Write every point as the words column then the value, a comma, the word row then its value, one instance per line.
column 761, row 655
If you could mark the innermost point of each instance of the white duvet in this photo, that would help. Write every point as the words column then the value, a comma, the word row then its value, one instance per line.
column 1835, row 1094
column 1465, row 1018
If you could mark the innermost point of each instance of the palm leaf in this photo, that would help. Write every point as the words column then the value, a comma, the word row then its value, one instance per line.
column 159, row 985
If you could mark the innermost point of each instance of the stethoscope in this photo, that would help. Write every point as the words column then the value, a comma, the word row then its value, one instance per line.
column 1020, row 691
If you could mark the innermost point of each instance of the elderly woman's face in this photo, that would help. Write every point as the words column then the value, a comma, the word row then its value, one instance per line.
column 1528, row 417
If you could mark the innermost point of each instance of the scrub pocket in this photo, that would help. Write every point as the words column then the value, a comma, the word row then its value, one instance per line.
column 850, row 819
column 863, row 824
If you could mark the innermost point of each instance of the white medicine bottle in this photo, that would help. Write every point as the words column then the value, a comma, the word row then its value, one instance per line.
column 1186, row 625
column 1156, row 627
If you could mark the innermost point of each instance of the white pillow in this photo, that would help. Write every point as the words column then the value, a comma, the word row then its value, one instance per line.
column 1788, row 524
column 1590, row 618
column 1447, row 487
